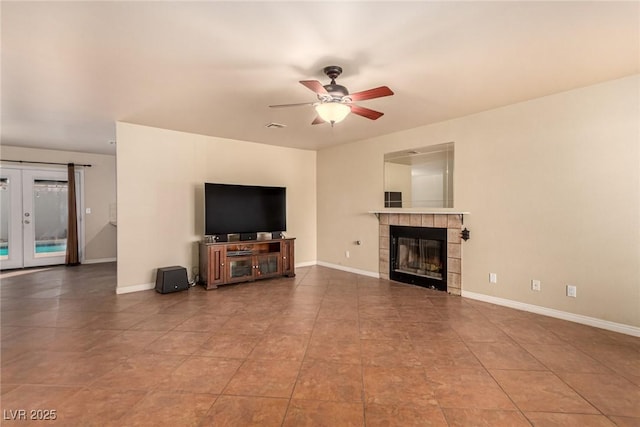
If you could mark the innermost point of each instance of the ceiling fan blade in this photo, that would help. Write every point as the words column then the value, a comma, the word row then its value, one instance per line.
column 315, row 86
column 317, row 121
column 378, row 92
column 366, row 112
column 291, row 105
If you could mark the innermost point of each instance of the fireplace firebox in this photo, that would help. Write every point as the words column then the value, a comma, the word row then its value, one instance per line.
column 419, row 256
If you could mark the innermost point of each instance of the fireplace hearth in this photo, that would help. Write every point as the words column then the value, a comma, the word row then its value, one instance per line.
column 418, row 256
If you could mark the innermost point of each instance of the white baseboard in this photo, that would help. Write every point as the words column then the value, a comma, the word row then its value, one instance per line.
column 135, row 288
column 572, row 317
column 305, row 264
column 98, row 260
column 349, row 269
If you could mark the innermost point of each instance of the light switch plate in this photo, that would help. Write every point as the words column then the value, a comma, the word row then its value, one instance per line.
column 535, row 285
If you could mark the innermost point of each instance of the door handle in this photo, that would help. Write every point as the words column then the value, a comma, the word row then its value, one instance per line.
column 26, row 221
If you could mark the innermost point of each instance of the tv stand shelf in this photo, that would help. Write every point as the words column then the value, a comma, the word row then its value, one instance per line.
column 245, row 261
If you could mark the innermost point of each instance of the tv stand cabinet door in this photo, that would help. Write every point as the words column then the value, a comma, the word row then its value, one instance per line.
column 288, row 259
column 240, row 269
column 268, row 265
column 214, row 267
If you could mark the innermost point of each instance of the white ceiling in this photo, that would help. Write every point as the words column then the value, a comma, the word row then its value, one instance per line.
column 70, row 70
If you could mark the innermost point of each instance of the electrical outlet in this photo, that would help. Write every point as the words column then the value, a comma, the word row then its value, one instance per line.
column 571, row 291
column 535, row 285
column 493, row 278
column 346, row 254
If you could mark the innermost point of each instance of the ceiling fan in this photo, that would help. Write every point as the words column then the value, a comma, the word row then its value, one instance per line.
column 334, row 100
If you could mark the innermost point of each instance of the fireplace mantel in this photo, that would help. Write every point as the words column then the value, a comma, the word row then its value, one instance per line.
column 418, row 211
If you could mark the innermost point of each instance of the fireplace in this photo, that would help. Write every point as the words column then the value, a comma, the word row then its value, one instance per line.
column 418, row 255
column 449, row 221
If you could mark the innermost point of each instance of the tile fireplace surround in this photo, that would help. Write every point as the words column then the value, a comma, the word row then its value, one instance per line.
column 452, row 221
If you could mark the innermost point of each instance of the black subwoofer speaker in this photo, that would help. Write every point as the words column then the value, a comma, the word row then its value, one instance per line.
column 171, row 279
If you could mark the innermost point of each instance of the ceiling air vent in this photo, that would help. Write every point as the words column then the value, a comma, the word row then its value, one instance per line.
column 276, row 125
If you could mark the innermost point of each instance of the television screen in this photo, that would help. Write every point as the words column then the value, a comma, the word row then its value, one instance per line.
column 231, row 209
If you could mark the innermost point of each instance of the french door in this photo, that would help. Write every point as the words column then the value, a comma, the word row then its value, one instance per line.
column 33, row 221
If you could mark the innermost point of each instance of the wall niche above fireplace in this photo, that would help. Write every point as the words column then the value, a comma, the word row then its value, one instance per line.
column 419, row 177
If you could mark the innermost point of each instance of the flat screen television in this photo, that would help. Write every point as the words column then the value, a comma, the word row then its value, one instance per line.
column 231, row 209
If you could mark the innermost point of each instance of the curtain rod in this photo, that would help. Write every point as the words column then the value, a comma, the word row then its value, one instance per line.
column 45, row 163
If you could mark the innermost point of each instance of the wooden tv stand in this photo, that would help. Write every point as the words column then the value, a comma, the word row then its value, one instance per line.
column 245, row 261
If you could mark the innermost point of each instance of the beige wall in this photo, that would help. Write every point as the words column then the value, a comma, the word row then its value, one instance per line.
column 99, row 194
column 553, row 188
column 160, row 195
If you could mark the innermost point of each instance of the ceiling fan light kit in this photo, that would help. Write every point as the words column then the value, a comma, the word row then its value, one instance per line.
column 333, row 112
column 334, row 101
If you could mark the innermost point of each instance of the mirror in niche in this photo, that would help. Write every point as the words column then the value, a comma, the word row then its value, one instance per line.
column 420, row 177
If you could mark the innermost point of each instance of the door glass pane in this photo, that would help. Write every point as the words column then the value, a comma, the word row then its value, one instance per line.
column 5, row 206
column 241, row 267
column 50, row 217
column 268, row 264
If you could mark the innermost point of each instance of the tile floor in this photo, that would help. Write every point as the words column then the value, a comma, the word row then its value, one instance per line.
column 327, row 348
